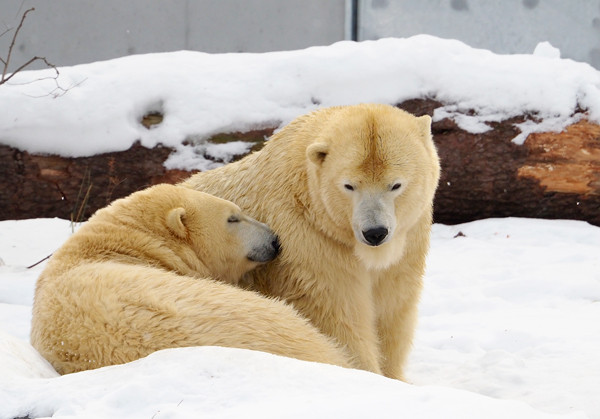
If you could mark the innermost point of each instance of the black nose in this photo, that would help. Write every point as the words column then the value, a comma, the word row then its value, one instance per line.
column 375, row 235
column 264, row 252
column 276, row 245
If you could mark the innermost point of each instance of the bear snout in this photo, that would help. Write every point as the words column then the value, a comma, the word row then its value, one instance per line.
column 375, row 236
column 266, row 252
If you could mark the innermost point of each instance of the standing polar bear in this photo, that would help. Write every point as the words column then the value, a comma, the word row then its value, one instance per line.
column 349, row 192
column 136, row 278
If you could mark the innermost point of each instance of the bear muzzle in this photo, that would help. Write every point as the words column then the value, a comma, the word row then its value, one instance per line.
column 266, row 252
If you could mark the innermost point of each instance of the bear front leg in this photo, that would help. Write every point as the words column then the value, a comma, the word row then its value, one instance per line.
column 358, row 331
column 348, row 316
column 397, row 319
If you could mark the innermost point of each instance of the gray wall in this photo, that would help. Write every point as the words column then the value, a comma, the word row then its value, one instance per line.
column 503, row 26
column 69, row 32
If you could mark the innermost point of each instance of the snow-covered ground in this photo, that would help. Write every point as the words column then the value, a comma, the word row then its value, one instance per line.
column 510, row 310
column 511, row 307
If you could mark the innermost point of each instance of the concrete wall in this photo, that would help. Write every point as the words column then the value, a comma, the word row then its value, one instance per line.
column 69, row 32
column 502, row 26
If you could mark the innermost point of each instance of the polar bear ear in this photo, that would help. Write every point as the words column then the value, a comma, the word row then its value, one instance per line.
column 175, row 222
column 425, row 123
column 317, row 152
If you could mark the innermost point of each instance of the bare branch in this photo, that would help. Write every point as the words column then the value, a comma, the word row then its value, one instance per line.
column 58, row 91
column 40, row 261
column 1, row 35
column 5, row 79
column 12, row 44
column 5, row 32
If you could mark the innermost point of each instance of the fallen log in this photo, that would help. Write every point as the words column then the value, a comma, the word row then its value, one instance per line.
column 552, row 175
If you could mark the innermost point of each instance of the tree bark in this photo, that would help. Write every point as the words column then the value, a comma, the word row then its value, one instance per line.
column 33, row 186
column 552, row 175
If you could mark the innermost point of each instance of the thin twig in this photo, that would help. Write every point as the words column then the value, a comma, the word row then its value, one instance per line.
column 37, row 263
column 83, row 206
column 56, row 92
column 1, row 35
column 6, row 62
column 31, row 60
column 4, row 33
column 76, row 218
column 12, row 43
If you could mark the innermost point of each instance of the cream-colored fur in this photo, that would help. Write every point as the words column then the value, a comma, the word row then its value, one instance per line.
column 322, row 183
column 154, row 271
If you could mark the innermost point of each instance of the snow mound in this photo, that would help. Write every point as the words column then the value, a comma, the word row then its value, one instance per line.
column 203, row 94
column 233, row 383
column 507, row 312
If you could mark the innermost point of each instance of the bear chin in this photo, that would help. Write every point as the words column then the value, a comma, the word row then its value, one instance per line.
column 376, row 258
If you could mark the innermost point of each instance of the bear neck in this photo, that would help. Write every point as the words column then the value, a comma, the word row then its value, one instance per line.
column 126, row 241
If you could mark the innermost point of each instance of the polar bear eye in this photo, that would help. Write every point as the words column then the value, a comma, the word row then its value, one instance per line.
column 348, row 187
column 233, row 219
column 396, row 186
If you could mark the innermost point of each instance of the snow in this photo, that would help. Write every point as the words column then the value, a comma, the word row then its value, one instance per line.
column 508, row 328
column 509, row 316
column 96, row 108
column 545, row 49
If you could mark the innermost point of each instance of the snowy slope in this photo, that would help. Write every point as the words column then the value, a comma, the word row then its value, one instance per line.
column 509, row 311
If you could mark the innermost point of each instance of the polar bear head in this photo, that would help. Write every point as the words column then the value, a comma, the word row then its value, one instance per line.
column 228, row 242
column 374, row 170
column 211, row 236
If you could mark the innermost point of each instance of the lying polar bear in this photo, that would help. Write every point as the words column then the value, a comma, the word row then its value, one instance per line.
column 158, row 270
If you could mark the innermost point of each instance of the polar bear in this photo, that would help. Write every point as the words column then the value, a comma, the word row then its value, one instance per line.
column 349, row 192
column 157, row 270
